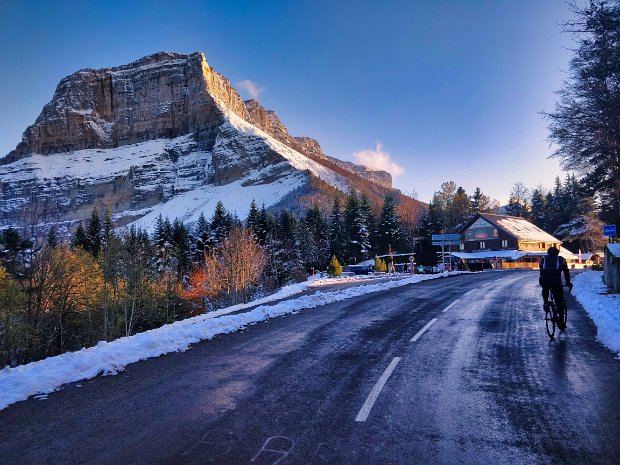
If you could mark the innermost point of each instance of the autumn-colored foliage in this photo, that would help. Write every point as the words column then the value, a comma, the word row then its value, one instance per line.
column 205, row 281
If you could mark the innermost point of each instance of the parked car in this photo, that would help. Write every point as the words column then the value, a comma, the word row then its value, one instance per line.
column 422, row 269
column 359, row 269
column 440, row 267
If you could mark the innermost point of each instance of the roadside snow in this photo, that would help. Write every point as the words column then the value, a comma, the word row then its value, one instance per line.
column 603, row 308
column 110, row 358
column 614, row 249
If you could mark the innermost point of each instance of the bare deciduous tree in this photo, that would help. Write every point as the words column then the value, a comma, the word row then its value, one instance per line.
column 242, row 262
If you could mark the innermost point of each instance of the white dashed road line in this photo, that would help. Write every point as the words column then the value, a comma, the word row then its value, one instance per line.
column 450, row 306
column 376, row 390
column 423, row 330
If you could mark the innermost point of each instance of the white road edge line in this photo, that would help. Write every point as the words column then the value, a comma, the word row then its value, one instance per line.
column 376, row 390
column 450, row 306
column 487, row 284
column 423, row 330
column 469, row 292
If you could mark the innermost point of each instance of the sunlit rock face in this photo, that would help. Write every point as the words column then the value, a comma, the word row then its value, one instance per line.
column 164, row 95
column 269, row 122
column 167, row 127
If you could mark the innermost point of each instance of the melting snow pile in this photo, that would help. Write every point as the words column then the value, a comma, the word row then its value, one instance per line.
column 603, row 308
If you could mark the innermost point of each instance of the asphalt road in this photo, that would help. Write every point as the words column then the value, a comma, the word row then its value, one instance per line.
column 355, row 382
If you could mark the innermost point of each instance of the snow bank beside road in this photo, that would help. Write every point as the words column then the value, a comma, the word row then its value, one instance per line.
column 603, row 308
column 48, row 375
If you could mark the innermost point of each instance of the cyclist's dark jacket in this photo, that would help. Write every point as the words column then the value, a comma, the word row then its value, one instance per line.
column 551, row 269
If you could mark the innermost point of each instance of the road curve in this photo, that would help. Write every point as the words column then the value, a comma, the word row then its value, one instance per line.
column 455, row 370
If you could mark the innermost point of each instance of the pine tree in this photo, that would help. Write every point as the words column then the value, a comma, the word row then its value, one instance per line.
column 163, row 232
column 353, row 224
column 389, row 230
column 287, row 225
column 305, row 249
column 108, row 226
column 254, row 220
column 13, row 253
column 538, row 209
column 93, row 233
column 181, row 241
column 480, row 203
column 550, row 213
column 221, row 222
column 366, row 226
column 52, row 237
column 265, row 224
column 337, row 232
column 460, row 209
column 80, row 239
column 318, row 230
column 202, row 234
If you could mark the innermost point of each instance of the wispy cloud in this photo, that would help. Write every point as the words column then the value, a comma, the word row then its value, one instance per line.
column 252, row 89
column 379, row 160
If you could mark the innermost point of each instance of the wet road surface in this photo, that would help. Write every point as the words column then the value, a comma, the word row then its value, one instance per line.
column 405, row 376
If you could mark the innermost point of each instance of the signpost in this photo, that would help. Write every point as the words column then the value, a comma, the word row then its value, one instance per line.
column 445, row 240
column 446, row 237
column 608, row 230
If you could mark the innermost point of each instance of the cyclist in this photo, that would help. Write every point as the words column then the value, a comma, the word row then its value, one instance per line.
column 551, row 268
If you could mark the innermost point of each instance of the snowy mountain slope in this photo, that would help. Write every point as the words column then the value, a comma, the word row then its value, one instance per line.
column 163, row 135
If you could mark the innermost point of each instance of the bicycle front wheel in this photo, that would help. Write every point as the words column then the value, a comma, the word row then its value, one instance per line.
column 565, row 319
column 550, row 323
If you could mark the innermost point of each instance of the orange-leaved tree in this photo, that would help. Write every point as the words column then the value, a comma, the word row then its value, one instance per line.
column 205, row 281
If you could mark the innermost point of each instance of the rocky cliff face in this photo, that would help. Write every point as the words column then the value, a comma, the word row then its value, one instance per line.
column 165, row 134
column 160, row 96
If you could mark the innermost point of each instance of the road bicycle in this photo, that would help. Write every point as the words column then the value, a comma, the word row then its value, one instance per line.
column 551, row 314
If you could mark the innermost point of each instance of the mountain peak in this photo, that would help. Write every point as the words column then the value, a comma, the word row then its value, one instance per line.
column 165, row 94
column 164, row 134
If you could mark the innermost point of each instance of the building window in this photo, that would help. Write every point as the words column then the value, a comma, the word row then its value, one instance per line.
column 462, row 246
column 504, row 243
column 482, row 245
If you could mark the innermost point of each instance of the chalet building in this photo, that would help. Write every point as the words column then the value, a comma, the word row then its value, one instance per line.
column 487, row 232
column 501, row 241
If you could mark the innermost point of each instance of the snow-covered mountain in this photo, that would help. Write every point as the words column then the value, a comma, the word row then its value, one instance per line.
column 165, row 134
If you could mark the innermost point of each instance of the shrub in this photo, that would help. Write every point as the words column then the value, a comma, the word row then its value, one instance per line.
column 380, row 265
column 334, row 268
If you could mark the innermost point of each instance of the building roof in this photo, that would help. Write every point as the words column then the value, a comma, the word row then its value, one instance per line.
column 516, row 226
column 614, row 249
column 511, row 254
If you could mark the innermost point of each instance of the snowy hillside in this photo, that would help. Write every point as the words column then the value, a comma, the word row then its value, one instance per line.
column 168, row 136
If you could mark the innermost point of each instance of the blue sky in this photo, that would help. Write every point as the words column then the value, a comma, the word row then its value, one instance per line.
column 436, row 90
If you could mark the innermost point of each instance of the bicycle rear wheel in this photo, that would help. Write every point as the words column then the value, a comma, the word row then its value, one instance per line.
column 550, row 321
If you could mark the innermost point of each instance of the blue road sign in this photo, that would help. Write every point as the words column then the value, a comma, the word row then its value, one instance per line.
column 609, row 230
column 445, row 237
column 446, row 243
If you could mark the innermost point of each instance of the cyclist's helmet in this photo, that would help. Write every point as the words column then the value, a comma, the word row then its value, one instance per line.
column 553, row 251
